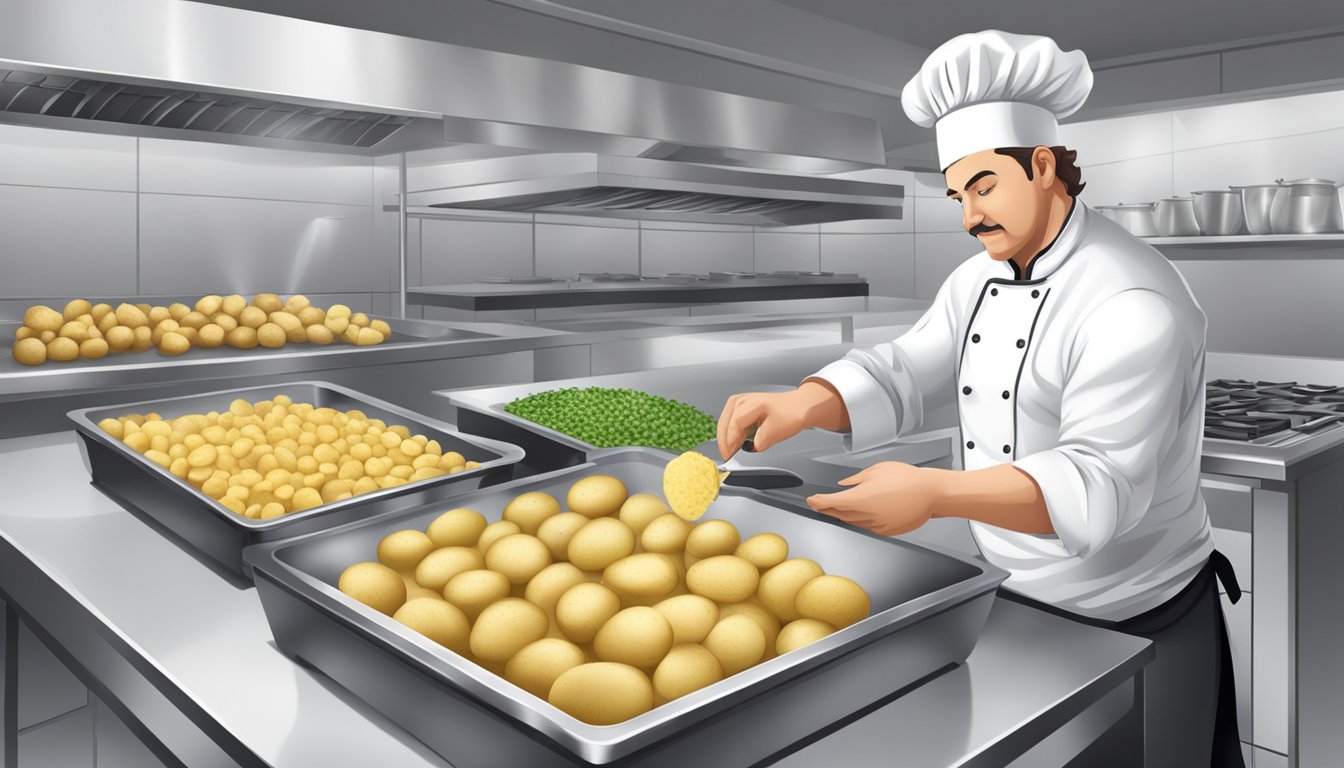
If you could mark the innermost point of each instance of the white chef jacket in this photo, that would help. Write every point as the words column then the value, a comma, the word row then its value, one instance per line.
column 1087, row 373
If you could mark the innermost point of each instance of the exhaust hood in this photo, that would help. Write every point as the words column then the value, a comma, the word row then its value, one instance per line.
column 642, row 188
column 185, row 70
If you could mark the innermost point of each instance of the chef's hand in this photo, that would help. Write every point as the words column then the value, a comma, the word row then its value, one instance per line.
column 777, row 416
column 889, row 498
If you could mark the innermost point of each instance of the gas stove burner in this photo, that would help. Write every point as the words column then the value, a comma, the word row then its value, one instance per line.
column 531, row 280
column 1270, row 412
column 610, row 277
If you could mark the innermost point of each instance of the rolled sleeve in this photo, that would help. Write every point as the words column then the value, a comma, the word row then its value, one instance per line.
column 873, row 418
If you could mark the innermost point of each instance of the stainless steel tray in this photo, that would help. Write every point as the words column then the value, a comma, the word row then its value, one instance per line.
column 218, row 533
column 929, row 607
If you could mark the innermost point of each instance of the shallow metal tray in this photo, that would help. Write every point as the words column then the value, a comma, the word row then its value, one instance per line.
column 928, row 609
column 218, row 533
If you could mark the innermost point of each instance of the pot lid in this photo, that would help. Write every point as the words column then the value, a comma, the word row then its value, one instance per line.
column 1178, row 199
column 1255, row 186
column 1213, row 192
column 1128, row 206
column 1308, row 183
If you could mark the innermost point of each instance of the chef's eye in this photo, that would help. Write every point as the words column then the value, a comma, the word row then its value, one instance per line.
column 956, row 200
column 985, row 191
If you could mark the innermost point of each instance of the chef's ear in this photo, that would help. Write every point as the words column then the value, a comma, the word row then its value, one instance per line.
column 1043, row 163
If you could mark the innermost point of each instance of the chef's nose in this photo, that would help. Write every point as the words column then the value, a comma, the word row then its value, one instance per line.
column 970, row 215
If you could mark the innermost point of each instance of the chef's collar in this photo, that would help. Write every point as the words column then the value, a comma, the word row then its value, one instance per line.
column 1053, row 255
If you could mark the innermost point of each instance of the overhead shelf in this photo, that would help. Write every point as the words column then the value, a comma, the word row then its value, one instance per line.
column 1207, row 247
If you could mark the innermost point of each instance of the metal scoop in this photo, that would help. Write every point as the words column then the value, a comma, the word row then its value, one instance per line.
column 759, row 478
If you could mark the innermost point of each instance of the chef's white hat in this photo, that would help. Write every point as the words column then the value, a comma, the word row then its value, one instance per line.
column 996, row 89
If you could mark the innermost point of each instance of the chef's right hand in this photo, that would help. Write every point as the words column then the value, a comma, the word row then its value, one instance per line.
column 777, row 416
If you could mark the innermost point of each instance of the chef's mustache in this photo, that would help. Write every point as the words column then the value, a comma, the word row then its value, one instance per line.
column 980, row 229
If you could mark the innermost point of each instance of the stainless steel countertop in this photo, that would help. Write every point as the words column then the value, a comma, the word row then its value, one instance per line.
column 488, row 296
column 191, row 656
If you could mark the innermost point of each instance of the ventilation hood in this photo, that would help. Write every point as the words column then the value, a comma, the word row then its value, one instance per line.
column 640, row 188
column 185, row 70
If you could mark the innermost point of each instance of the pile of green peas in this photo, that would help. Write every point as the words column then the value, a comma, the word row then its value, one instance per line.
column 609, row 418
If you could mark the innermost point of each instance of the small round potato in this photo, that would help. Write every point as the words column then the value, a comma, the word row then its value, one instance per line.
column 457, row 528
column 75, row 308
column 402, row 551
column 93, row 349
column 640, row 509
column 779, row 586
column 798, row 633
column 691, row 617
column 597, row 496
column 494, row 532
column 119, row 338
column 415, row 591
column 685, row 669
column 557, row 530
column 545, row 589
column 723, row 578
column 210, row 336
column 643, row 578
column 30, row 351
column 131, row 315
column 638, row 636
column 584, row 609
column 536, row 666
column 209, row 305
column 297, row 303
column 506, row 627
column 712, row 537
column 442, row 564
column 43, row 318
column 836, row 600
column 600, row 543
column 271, row 336
column 193, row 319
column 518, row 556
column 441, row 622
column 319, row 334
column 268, row 302
column 242, row 337
column 374, row 585
column 62, row 350
column 252, row 317
column 530, row 510
column 737, row 642
column 767, row 621
column 602, row 693
column 472, row 591
column 764, row 550
column 666, row 534
column 173, row 344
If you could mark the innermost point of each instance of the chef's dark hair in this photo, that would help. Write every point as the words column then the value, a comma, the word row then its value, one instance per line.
column 1065, row 168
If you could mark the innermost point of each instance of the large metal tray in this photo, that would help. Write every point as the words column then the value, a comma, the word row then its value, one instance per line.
column 928, row 609
column 218, row 533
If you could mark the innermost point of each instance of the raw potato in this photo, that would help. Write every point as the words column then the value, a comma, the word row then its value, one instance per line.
column 252, row 317
column 546, row 588
column 583, row 610
column 686, row 669
column 268, row 302
column 518, row 556
column 297, row 303
column 640, row 509
column 638, row 636
column 597, row 496
column 645, row 577
column 209, row 305
column 836, row 600
column 439, row 566
column 92, row 349
column 142, row 339
column 494, row 532
column 74, row 330
column 691, row 617
column 157, row 315
column 798, row 633
column 76, row 308
column 193, row 319
column 131, row 315
column 600, row 543
column 767, row 621
column 30, row 352
column 536, row 667
column 666, row 534
column 62, row 350
column 270, row 335
column 602, row 693
column 319, row 334
column 210, row 336
column 764, row 550
column 556, row 532
column 164, row 326
column 723, row 578
column 779, row 586
column 737, row 642
column 233, row 305
column 504, row 628
column 43, row 318
column 415, row 591
column 457, row 528
column 712, row 537
column 242, row 337
column 119, row 338
column 441, row 622
column 403, row 550
column 374, row 585
column 311, row 315
column 530, row 510
column 173, row 344
column 473, row 591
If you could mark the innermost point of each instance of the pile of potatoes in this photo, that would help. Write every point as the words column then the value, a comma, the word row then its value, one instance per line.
column 91, row 331
column 608, row 609
column 269, row 458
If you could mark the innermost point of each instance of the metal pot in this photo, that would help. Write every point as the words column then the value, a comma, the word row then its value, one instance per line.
column 1256, row 201
column 1218, row 212
column 1176, row 217
column 1305, row 207
column 1137, row 218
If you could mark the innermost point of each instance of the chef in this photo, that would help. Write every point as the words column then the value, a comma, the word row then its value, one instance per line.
column 1075, row 356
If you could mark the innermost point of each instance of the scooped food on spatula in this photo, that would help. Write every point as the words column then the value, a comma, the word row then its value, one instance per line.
column 691, row 483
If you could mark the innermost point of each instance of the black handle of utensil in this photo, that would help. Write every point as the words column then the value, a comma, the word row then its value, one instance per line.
column 762, row 478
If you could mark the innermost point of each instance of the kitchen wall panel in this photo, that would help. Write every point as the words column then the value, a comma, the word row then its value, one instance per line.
column 938, row 215
column 116, row 745
column 1121, row 138
column 888, row 261
column 1255, row 120
column 791, row 250
column 226, row 170
column 569, row 249
column 712, row 249
column 1286, row 64
column 1261, row 162
column 930, row 185
column 458, row 251
column 936, row 255
column 1141, row 180
column 67, row 242
column 871, row 226
column 46, row 158
column 217, row 244
column 1158, row 81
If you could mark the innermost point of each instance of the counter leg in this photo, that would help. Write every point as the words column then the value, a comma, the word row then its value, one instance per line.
column 9, row 687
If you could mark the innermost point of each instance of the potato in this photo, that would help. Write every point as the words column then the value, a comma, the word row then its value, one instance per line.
column 366, row 337
column 602, row 693
column 242, row 337
column 494, row 532
column 131, row 316
column 93, row 349
column 296, row 303
column 178, row 311
column 318, row 334
column 267, row 302
column 62, row 350
column 685, row 669
column 644, row 578
column 691, row 617
column 99, row 311
column 402, row 551
column 597, row 496
column 518, row 556
column 536, row 667
column 666, row 534
column 640, row 509
column 583, row 610
column 270, row 335
column 779, row 586
column 414, row 591
column 767, row 621
column 600, row 543
column 167, row 325
column 210, row 336
column 30, row 352
column 444, row 623
column 337, row 325
column 360, row 320
column 290, row 323
column 252, row 317
column 381, row 327
column 224, row 320
column 557, row 530
column 764, row 550
column 457, row 528
column 801, row 632
column 209, row 305
column 545, row 589
column 107, row 323
column 339, row 311
column 836, row 600
column 437, row 567
column 723, row 578
column 506, row 627
column 351, row 334
column 712, row 537
column 43, row 318
column 638, row 636
column 374, row 585
column 737, row 642
column 157, row 315
column 192, row 319
column 75, row 308
column 472, row 591
column 530, row 510
column 74, row 330
column 142, row 338
column 46, row 336
column 311, row 316
column 173, row 344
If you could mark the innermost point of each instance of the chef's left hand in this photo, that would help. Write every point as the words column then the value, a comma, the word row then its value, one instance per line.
column 888, row 498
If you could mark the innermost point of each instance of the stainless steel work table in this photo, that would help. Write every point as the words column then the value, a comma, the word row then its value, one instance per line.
column 188, row 659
